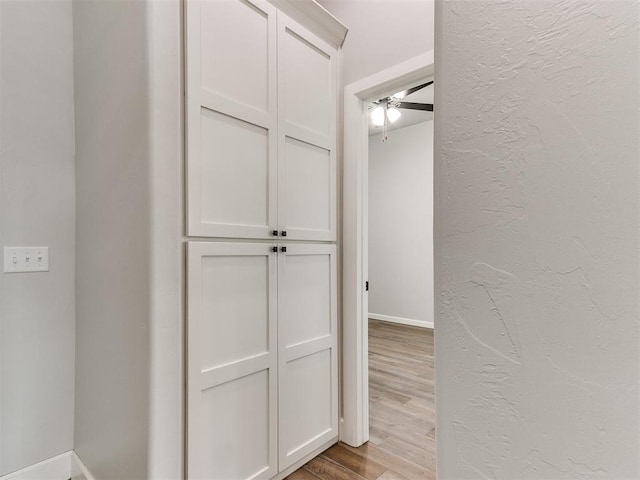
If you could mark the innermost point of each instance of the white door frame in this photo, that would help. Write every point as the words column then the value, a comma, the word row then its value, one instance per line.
column 355, row 343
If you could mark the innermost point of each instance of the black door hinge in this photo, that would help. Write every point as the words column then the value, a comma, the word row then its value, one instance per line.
column 366, row 286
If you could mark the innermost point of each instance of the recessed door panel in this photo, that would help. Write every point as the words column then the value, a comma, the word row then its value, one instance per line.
column 234, row 172
column 309, row 187
column 235, row 308
column 235, row 428
column 235, row 51
column 305, row 313
column 307, row 401
column 306, row 73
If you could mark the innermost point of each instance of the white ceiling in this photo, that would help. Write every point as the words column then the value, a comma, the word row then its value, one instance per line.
column 409, row 117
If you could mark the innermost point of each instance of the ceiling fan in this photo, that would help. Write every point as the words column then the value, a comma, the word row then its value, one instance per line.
column 385, row 110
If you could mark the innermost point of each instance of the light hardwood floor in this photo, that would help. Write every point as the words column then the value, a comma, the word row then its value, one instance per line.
column 402, row 413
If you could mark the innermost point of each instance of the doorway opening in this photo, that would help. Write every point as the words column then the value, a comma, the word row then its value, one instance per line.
column 356, row 426
column 399, row 254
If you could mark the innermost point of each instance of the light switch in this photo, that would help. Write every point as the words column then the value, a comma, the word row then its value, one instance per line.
column 26, row 259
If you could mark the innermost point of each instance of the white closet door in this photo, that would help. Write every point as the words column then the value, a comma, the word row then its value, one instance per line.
column 231, row 118
column 232, row 361
column 307, row 85
column 307, row 350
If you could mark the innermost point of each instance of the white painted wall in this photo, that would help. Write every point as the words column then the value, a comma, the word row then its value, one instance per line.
column 113, row 231
column 382, row 33
column 129, row 232
column 401, row 225
column 37, row 206
column 166, row 245
column 537, row 234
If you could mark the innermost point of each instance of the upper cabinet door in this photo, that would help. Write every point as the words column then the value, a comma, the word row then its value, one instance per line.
column 231, row 118
column 307, row 81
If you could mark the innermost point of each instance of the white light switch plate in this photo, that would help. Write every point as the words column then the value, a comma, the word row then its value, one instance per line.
column 26, row 259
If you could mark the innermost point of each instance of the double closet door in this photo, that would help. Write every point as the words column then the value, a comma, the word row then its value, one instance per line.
column 262, row 366
column 262, row 357
column 261, row 124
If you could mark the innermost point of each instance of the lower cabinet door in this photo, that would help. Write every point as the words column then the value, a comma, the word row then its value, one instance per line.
column 231, row 361
column 307, row 350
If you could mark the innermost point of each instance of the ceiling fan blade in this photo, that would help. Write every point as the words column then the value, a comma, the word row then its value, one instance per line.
column 411, row 90
column 427, row 107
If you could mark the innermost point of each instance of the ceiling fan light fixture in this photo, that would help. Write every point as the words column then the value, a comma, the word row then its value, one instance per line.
column 393, row 114
column 377, row 116
column 400, row 95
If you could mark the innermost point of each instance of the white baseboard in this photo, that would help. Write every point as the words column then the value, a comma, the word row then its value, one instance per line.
column 78, row 469
column 61, row 467
column 403, row 321
column 55, row 468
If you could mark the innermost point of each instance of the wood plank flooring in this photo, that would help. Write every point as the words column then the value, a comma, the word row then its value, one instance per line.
column 401, row 413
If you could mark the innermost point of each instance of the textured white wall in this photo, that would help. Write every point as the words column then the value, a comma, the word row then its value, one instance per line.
column 37, row 202
column 382, row 33
column 401, row 224
column 537, row 220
